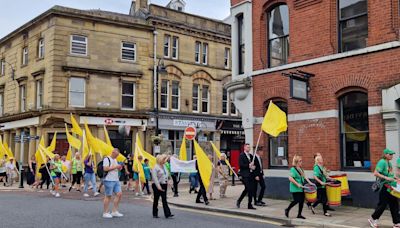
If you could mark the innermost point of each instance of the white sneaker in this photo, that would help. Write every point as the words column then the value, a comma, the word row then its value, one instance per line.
column 117, row 214
column 107, row 215
column 85, row 195
column 137, row 194
column 57, row 195
column 373, row 223
column 90, row 187
column 53, row 192
column 96, row 194
column 141, row 193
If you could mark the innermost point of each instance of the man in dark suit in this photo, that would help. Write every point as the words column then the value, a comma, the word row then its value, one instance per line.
column 259, row 176
column 247, row 169
column 202, row 191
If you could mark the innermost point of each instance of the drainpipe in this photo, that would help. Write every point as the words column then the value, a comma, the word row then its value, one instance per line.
column 155, row 71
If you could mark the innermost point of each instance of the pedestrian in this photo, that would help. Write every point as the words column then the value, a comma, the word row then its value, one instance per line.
column 138, row 184
column 11, row 171
column 112, row 184
column 56, row 172
column 3, row 170
column 321, row 177
column 211, row 186
column 129, row 172
column 193, row 180
column 223, row 171
column 44, row 172
column 202, row 191
column 247, row 168
column 297, row 180
column 160, row 186
column 77, row 172
column 259, row 177
column 384, row 171
column 147, row 174
column 66, row 169
column 90, row 176
column 176, row 178
column 30, row 176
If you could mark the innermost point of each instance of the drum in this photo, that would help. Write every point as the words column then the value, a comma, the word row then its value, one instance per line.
column 394, row 191
column 310, row 192
column 344, row 183
column 334, row 193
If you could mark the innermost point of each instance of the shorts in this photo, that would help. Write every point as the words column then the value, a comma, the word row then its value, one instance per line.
column 135, row 176
column 112, row 187
column 57, row 176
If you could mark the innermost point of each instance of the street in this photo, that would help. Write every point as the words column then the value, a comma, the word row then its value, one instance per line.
column 32, row 209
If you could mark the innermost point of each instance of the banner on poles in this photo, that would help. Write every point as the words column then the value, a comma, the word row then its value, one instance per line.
column 178, row 166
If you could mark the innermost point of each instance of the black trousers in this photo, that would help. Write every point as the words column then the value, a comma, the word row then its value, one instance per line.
column 386, row 198
column 45, row 179
column 175, row 182
column 248, row 189
column 261, row 182
column 146, row 185
column 76, row 178
column 322, row 198
column 163, row 195
column 202, row 192
column 298, row 198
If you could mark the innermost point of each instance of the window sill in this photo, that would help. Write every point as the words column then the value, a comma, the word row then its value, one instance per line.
column 128, row 109
column 24, row 65
column 127, row 61
column 79, row 56
column 39, row 59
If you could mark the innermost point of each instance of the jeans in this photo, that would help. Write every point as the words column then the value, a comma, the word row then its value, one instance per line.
column 194, row 182
column 92, row 178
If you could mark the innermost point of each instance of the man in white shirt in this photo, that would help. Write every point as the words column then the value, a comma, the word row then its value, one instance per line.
column 112, row 184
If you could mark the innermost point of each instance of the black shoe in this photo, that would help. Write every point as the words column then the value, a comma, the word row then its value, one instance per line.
column 237, row 204
column 176, row 195
column 301, row 217
column 70, row 188
column 190, row 191
column 195, row 191
column 330, row 209
column 170, row 216
column 287, row 213
column 312, row 210
column 155, row 216
column 263, row 203
column 206, row 203
column 199, row 201
column 250, row 207
column 259, row 204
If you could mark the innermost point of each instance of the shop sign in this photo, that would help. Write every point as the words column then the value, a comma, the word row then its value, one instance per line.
column 185, row 123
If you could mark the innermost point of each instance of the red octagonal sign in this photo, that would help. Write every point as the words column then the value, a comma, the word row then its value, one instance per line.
column 190, row 133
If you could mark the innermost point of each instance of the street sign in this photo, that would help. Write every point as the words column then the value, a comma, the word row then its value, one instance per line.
column 190, row 133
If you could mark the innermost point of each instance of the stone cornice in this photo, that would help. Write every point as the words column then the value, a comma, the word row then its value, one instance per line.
column 100, row 71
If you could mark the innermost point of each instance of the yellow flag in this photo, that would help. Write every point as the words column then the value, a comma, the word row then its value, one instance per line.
column 8, row 150
column 138, row 167
column 74, row 142
column 275, row 121
column 38, row 155
column 52, row 146
column 354, row 134
column 47, row 152
column 151, row 158
column 204, row 164
column 182, row 151
column 69, row 155
column 75, row 126
column 92, row 141
column 218, row 153
column 106, row 150
column 85, row 149
column 108, row 141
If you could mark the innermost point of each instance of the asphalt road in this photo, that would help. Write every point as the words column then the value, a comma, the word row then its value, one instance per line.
column 22, row 210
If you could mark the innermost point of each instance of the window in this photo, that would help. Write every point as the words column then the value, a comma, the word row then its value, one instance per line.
column 128, row 51
column 205, row 53
column 167, row 41
column 197, row 52
column 22, row 98
column 225, row 102
column 128, row 95
column 175, row 47
column 241, row 48
column 195, row 97
column 278, row 36
column 3, row 67
column 278, row 146
column 226, row 58
column 39, row 94
column 78, row 45
column 164, row 94
column 354, row 130
column 25, row 56
column 77, row 92
column 233, row 107
column 41, row 48
column 204, row 99
column 175, row 96
column 1, row 104
column 353, row 24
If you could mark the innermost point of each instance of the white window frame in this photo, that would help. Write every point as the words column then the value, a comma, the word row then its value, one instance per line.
column 25, row 54
column 79, row 42
column 179, row 95
column 41, row 48
column 39, row 94
column 167, row 94
column 1, row 103
column 198, row 98
column 3, row 67
column 225, row 101
column 197, row 52
column 22, row 98
column 84, row 93
column 230, row 106
column 203, row 100
column 167, row 44
column 175, row 47
column 204, row 54
column 129, row 95
column 227, row 58
column 128, row 49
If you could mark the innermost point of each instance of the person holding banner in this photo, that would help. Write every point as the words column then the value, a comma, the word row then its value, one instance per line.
column 56, row 167
column 202, row 191
column 160, row 186
column 194, row 180
column 247, row 168
column 223, row 171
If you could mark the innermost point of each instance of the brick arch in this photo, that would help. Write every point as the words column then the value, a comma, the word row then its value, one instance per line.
column 202, row 75
column 350, row 81
column 273, row 99
column 277, row 92
column 174, row 71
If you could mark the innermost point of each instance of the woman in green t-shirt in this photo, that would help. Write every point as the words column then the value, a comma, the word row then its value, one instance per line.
column 297, row 181
column 384, row 171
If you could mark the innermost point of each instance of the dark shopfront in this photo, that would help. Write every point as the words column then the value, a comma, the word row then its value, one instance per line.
column 232, row 139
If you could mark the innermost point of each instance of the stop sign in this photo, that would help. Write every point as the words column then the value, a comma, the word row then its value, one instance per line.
column 190, row 133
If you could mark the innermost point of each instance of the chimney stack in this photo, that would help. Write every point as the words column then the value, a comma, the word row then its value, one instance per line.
column 136, row 5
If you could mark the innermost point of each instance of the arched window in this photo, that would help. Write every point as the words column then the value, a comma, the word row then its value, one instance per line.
column 278, row 147
column 278, row 36
column 354, row 130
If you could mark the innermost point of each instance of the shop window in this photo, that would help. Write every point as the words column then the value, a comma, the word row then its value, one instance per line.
column 278, row 36
column 354, row 130
column 278, row 146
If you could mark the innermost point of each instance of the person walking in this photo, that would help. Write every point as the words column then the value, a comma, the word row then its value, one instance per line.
column 67, row 164
column 247, row 168
column 384, row 171
column 55, row 168
column 202, row 191
column 90, row 176
column 259, row 177
column 160, row 186
column 194, row 182
column 3, row 171
column 44, row 172
column 112, row 185
column 176, row 178
column 30, row 176
column 138, row 184
column 211, row 186
column 297, row 180
column 11, row 171
column 147, row 174
column 77, row 172
column 223, row 171
column 129, row 172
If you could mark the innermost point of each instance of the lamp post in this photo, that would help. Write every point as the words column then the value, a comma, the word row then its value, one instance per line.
column 160, row 68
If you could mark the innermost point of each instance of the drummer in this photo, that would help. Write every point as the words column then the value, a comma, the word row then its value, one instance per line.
column 384, row 172
column 321, row 177
column 296, row 179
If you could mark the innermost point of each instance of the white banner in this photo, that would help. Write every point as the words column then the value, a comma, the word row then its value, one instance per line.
column 178, row 166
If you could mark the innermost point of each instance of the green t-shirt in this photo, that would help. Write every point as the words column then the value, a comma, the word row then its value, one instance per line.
column 57, row 168
column 76, row 166
column 298, row 178
column 385, row 168
column 318, row 173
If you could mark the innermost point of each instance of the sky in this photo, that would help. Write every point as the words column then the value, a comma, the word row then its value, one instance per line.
column 17, row 12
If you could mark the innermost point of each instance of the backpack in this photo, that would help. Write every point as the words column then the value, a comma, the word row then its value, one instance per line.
column 100, row 169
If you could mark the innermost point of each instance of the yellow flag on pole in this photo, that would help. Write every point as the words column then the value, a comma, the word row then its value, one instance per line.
column 182, row 151
column 85, row 149
column 74, row 142
column 8, row 150
column 138, row 166
column 145, row 154
column 75, row 126
column 39, row 157
column 275, row 121
column 69, row 155
column 204, row 164
column 53, row 143
column 108, row 141
column 46, row 152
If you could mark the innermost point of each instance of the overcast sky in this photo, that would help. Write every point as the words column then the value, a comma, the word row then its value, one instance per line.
column 17, row 12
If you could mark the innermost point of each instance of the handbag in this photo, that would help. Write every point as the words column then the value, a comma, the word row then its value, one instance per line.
column 377, row 185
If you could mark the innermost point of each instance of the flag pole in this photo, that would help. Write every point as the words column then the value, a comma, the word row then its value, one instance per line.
column 140, row 184
column 62, row 173
column 45, row 164
column 258, row 142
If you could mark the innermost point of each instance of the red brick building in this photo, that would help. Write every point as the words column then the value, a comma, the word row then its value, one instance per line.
column 352, row 49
